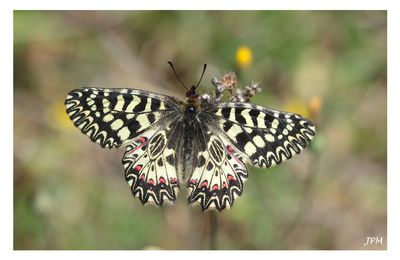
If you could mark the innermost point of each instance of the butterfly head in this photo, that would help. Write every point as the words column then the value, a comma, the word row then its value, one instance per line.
column 191, row 93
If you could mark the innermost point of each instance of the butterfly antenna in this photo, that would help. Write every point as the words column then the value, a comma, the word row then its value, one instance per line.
column 202, row 74
column 176, row 74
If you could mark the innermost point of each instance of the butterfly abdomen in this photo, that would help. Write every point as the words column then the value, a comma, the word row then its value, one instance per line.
column 190, row 128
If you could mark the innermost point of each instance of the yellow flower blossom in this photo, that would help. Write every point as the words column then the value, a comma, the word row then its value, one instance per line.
column 244, row 57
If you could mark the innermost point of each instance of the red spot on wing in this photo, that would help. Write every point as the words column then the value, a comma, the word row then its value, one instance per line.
column 215, row 187
column 230, row 149
column 161, row 180
column 204, row 184
column 151, row 182
column 138, row 167
column 141, row 139
column 224, row 186
column 142, row 177
column 174, row 180
column 231, row 178
column 193, row 181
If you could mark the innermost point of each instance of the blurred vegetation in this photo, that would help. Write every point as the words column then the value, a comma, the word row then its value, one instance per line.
column 328, row 66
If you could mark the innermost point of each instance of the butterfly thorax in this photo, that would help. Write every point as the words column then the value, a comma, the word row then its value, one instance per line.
column 191, row 108
column 192, row 104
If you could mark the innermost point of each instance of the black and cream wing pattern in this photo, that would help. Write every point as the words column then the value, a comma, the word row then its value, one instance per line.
column 199, row 143
column 141, row 121
column 112, row 117
column 266, row 137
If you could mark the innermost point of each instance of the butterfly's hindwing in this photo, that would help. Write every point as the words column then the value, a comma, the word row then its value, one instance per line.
column 219, row 173
column 267, row 137
column 150, row 167
column 112, row 117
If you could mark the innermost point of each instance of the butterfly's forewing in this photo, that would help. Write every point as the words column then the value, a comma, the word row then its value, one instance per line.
column 112, row 117
column 219, row 171
column 266, row 137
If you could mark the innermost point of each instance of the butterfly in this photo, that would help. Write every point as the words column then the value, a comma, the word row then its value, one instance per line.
column 202, row 143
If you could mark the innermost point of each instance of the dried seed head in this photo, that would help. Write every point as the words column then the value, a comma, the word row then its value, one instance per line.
column 238, row 97
column 229, row 81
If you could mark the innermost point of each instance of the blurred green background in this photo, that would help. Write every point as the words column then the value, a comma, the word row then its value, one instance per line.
column 329, row 66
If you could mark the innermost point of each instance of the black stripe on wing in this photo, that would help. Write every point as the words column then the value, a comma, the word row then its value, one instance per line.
column 267, row 137
column 112, row 117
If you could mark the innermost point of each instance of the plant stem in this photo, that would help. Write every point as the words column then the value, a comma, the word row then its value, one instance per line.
column 213, row 229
